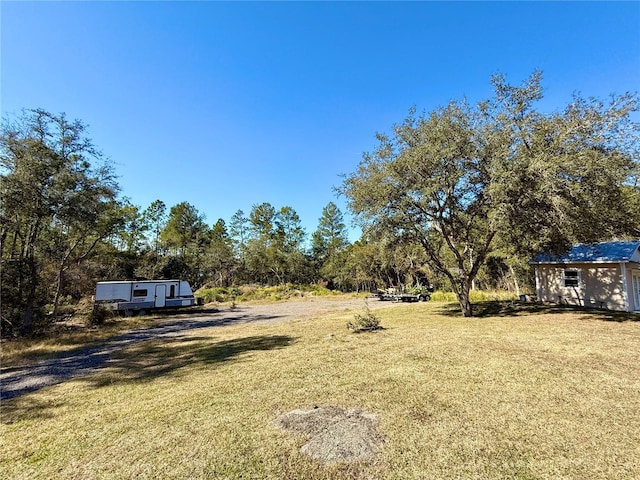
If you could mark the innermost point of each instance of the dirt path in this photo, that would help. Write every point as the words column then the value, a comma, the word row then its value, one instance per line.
column 17, row 381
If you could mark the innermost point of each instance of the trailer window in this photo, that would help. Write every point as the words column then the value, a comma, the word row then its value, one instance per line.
column 140, row 293
column 172, row 291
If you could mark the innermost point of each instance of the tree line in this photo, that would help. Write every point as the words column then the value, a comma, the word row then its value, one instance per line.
column 462, row 195
column 65, row 226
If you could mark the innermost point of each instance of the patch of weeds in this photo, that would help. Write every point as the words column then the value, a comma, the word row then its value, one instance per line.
column 216, row 294
column 273, row 293
column 367, row 321
column 99, row 316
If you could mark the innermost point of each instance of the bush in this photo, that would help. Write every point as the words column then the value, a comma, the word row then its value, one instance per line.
column 440, row 296
column 365, row 322
column 216, row 294
column 99, row 316
column 475, row 296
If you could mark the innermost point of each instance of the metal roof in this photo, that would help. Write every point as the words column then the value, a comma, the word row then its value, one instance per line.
column 595, row 252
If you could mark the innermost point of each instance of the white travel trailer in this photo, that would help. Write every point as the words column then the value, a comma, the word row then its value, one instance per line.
column 131, row 296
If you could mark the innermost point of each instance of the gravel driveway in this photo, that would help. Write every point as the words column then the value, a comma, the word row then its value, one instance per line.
column 16, row 381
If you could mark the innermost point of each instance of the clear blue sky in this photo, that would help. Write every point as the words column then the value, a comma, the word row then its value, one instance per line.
column 227, row 105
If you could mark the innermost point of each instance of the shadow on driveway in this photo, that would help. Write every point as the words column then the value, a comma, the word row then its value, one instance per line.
column 16, row 381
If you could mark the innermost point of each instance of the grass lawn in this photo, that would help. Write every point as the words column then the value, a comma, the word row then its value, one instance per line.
column 546, row 394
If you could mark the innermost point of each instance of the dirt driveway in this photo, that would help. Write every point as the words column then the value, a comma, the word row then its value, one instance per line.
column 17, row 381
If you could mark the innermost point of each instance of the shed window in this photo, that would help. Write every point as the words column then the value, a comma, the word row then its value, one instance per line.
column 570, row 278
column 140, row 293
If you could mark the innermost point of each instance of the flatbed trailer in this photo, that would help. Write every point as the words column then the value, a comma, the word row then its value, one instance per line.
column 402, row 297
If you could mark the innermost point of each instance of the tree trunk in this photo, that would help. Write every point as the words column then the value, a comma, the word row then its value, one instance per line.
column 515, row 281
column 56, row 297
column 3, row 239
column 59, row 280
column 463, row 298
column 26, row 319
column 31, row 297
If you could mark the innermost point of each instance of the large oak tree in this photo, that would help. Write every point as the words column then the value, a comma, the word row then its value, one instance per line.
column 463, row 179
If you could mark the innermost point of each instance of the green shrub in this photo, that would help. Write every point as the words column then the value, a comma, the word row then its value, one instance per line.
column 216, row 294
column 440, row 296
column 475, row 296
column 99, row 316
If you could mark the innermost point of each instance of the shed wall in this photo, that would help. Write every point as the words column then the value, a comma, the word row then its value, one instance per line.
column 598, row 283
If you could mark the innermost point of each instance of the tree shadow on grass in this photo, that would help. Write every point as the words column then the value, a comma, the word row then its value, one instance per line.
column 159, row 358
column 28, row 408
column 87, row 360
column 80, row 336
column 140, row 363
column 518, row 309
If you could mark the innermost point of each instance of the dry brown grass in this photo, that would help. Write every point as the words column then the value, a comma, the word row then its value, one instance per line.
column 513, row 394
column 65, row 336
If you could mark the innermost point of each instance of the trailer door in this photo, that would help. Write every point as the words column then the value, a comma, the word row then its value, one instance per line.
column 161, row 293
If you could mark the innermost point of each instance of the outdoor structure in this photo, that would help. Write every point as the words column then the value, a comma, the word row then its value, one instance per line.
column 601, row 275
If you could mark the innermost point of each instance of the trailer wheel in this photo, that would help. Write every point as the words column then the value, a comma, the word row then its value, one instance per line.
column 129, row 313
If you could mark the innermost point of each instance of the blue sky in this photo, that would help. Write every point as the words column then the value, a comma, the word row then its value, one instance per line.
column 227, row 105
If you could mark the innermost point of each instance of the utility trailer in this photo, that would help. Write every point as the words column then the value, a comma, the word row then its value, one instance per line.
column 394, row 295
column 129, row 297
